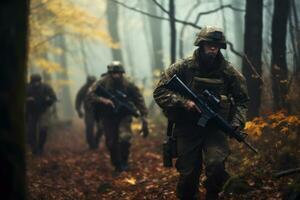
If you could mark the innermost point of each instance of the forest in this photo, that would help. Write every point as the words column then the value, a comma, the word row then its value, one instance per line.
column 66, row 41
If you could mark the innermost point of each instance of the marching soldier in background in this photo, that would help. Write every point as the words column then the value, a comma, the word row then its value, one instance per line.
column 206, row 69
column 90, row 121
column 116, row 100
column 39, row 98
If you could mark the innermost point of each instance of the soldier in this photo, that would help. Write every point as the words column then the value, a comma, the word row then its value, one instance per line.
column 39, row 98
column 206, row 69
column 117, row 122
column 89, row 117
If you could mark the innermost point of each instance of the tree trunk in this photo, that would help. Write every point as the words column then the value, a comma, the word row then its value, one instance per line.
column 13, row 58
column 295, row 35
column 84, row 57
column 224, row 23
column 112, row 14
column 172, row 30
column 182, row 30
column 63, row 76
column 156, row 37
column 253, row 51
column 238, row 29
column 279, row 69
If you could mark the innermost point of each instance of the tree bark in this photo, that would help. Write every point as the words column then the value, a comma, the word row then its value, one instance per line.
column 279, row 69
column 67, row 103
column 172, row 30
column 84, row 56
column 13, row 58
column 253, row 51
column 156, row 37
column 112, row 14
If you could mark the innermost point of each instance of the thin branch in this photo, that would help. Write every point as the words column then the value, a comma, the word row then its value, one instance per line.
column 196, row 26
column 155, row 16
column 243, row 55
column 216, row 10
column 184, row 27
column 45, row 41
column 161, row 7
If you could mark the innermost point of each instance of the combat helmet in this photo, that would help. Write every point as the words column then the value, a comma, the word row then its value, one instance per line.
column 115, row 67
column 90, row 79
column 211, row 34
column 35, row 78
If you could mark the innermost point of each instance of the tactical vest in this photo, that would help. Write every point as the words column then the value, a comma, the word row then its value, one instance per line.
column 217, row 82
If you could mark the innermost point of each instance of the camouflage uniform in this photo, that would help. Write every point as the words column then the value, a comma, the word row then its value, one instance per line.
column 195, row 144
column 39, row 98
column 89, row 117
column 117, row 126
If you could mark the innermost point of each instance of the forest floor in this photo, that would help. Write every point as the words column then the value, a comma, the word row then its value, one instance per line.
column 68, row 170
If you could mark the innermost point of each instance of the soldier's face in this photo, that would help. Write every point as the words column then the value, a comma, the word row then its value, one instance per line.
column 36, row 83
column 211, row 49
column 117, row 75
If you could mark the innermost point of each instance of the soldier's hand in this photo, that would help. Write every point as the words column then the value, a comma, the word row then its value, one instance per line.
column 107, row 102
column 236, row 126
column 80, row 114
column 190, row 105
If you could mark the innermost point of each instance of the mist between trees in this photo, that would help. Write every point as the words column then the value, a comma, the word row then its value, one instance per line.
column 72, row 39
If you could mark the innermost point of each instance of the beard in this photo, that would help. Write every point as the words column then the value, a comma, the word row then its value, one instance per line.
column 118, row 81
column 209, row 58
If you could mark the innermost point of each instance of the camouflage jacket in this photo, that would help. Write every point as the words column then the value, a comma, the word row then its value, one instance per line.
column 132, row 92
column 224, row 81
column 39, row 98
column 81, row 97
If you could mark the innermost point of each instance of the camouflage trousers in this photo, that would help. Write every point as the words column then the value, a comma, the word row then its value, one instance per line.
column 37, row 129
column 93, row 139
column 118, row 134
column 197, row 146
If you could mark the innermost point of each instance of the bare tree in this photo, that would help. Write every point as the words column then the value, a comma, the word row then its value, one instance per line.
column 84, row 56
column 64, row 77
column 13, row 58
column 172, row 30
column 238, row 28
column 156, row 37
column 279, row 69
column 253, row 51
column 112, row 14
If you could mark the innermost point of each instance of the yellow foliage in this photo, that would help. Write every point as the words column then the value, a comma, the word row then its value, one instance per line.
column 279, row 121
column 52, row 18
column 60, row 83
column 254, row 127
column 136, row 126
column 131, row 181
column 48, row 66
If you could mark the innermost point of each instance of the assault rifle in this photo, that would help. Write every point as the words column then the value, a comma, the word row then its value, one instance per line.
column 207, row 113
column 120, row 101
column 287, row 172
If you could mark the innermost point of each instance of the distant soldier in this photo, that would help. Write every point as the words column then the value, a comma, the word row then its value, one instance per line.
column 39, row 98
column 89, row 116
column 116, row 100
column 205, row 70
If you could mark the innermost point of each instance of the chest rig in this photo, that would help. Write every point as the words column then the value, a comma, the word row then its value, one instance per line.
column 215, row 81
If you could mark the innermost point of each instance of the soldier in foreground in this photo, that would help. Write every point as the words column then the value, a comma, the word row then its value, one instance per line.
column 89, row 115
column 205, row 70
column 39, row 98
column 116, row 100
